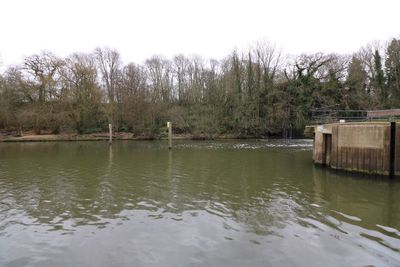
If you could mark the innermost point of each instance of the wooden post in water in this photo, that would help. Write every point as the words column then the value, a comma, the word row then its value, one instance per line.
column 169, row 126
column 110, row 133
column 21, row 134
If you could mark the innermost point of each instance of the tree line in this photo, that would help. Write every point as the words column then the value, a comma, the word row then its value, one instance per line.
column 254, row 93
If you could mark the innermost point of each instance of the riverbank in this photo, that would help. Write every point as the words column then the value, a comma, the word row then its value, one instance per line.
column 31, row 137
column 73, row 137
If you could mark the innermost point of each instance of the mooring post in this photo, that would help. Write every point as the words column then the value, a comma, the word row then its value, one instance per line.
column 169, row 126
column 110, row 133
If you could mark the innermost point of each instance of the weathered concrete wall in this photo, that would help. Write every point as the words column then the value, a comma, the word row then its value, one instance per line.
column 360, row 136
column 357, row 147
column 361, row 148
column 318, row 147
column 319, row 142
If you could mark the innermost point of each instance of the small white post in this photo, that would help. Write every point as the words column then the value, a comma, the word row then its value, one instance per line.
column 110, row 133
column 169, row 126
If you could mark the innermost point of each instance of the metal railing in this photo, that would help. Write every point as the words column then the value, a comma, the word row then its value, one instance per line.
column 331, row 115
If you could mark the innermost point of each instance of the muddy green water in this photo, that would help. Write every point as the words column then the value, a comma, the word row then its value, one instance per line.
column 219, row 203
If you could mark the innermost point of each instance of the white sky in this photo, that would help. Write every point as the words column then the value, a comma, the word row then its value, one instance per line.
column 210, row 28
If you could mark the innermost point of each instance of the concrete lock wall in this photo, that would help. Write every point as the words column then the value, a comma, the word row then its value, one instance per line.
column 360, row 147
column 318, row 145
column 320, row 154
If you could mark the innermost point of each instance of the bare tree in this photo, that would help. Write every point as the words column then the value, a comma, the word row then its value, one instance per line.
column 109, row 63
column 180, row 67
column 43, row 69
column 160, row 76
column 269, row 59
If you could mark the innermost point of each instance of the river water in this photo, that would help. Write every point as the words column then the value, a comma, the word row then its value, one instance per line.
column 205, row 203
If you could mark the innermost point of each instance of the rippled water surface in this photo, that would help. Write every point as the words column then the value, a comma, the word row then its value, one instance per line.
column 209, row 203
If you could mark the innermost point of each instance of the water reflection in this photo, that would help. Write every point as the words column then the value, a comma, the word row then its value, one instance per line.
column 218, row 203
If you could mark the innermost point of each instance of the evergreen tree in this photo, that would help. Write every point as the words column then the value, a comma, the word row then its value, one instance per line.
column 392, row 66
column 356, row 82
column 379, row 80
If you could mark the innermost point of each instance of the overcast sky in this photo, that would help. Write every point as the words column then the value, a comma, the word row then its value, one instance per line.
column 210, row 28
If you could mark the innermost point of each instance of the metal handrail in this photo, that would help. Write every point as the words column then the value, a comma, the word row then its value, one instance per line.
column 325, row 115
